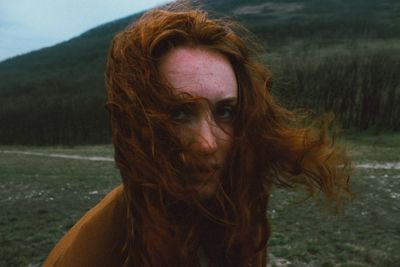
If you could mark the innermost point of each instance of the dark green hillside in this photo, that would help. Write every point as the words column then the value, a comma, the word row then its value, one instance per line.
column 330, row 55
column 56, row 95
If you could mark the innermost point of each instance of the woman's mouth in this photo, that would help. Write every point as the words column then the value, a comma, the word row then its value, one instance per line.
column 207, row 170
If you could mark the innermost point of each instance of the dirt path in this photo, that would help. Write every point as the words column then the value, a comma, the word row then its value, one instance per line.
column 52, row 155
column 376, row 165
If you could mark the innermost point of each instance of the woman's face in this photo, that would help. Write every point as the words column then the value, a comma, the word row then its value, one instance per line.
column 206, row 128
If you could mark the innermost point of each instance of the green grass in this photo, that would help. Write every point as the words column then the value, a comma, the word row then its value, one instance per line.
column 368, row 147
column 365, row 233
column 42, row 197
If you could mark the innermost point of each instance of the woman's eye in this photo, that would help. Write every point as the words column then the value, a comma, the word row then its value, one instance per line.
column 225, row 113
column 181, row 114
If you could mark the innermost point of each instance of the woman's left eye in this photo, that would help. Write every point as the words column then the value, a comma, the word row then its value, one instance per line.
column 225, row 113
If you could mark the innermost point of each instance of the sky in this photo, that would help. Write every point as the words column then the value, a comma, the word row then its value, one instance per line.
column 27, row 25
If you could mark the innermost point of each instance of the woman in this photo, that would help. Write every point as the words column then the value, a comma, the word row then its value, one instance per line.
column 199, row 143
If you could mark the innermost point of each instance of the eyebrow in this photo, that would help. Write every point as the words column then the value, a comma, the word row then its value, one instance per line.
column 229, row 100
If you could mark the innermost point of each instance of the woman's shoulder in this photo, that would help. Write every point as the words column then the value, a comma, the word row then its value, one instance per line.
column 97, row 238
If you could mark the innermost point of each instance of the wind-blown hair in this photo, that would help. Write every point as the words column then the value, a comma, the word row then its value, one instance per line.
column 166, row 223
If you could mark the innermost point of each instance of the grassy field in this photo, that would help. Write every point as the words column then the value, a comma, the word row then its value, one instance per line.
column 41, row 197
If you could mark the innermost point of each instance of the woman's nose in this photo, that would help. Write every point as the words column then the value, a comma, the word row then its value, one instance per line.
column 205, row 137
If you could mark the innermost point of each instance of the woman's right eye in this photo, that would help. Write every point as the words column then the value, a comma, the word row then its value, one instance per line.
column 181, row 114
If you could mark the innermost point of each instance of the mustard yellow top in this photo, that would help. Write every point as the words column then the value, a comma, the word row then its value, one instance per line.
column 96, row 239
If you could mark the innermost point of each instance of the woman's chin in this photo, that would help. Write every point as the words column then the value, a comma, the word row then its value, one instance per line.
column 207, row 190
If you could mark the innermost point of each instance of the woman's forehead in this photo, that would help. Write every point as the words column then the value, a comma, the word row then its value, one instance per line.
column 199, row 72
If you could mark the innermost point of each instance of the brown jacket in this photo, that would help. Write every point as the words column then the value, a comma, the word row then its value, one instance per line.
column 96, row 239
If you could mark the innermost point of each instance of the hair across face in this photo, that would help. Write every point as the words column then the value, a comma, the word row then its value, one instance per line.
column 205, row 126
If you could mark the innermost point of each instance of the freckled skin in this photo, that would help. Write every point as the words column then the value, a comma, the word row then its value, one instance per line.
column 207, row 74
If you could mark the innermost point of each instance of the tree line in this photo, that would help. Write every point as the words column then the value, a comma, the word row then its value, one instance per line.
column 362, row 89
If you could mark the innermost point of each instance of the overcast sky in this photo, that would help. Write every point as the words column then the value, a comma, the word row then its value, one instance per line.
column 27, row 25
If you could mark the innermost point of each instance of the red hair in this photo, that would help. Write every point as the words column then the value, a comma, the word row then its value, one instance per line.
column 166, row 223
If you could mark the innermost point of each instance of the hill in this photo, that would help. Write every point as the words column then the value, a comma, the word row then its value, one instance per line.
column 331, row 55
